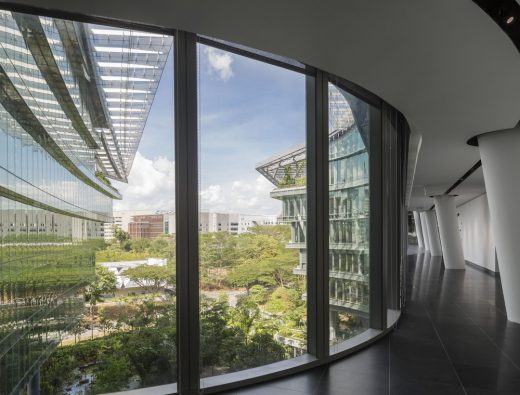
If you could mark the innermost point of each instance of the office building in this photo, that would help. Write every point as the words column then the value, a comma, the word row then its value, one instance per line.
column 349, row 210
column 121, row 220
column 64, row 130
column 146, row 226
column 233, row 223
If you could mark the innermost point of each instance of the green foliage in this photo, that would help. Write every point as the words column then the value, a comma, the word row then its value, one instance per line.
column 282, row 233
column 32, row 269
column 258, row 294
column 298, row 179
column 140, row 245
column 216, row 335
column 113, row 374
column 118, row 255
column 256, row 246
column 151, row 278
column 58, row 370
column 283, row 300
column 120, row 235
column 139, row 249
column 104, row 283
column 267, row 271
column 260, row 350
column 152, row 353
column 140, row 335
column 101, row 176
column 148, row 352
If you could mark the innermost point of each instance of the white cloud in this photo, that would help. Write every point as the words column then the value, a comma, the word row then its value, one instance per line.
column 151, row 185
column 241, row 197
column 219, row 62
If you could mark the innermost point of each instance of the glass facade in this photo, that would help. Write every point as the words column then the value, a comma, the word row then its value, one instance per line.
column 59, row 139
column 349, row 214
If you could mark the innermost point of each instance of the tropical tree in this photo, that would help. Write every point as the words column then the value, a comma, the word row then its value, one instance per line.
column 216, row 335
column 104, row 283
column 120, row 235
column 261, row 349
column 151, row 278
column 245, row 275
column 284, row 300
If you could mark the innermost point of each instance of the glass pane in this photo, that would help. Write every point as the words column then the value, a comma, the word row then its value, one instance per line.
column 349, row 212
column 252, row 213
column 76, row 99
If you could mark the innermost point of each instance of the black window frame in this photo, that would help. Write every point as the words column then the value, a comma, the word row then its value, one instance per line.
column 387, row 227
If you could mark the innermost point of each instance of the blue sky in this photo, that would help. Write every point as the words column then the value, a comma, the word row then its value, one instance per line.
column 248, row 111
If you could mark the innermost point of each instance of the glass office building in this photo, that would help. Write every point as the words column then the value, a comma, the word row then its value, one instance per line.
column 349, row 210
column 74, row 99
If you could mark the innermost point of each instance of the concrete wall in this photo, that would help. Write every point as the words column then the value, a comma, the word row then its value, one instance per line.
column 475, row 232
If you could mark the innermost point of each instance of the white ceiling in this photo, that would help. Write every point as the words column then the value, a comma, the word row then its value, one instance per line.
column 445, row 64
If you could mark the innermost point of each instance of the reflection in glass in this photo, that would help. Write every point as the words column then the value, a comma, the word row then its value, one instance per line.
column 349, row 210
column 74, row 100
column 252, row 213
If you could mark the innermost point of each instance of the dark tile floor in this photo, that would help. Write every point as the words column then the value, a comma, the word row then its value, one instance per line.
column 453, row 339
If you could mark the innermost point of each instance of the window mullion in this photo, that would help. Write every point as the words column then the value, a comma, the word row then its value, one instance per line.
column 186, row 199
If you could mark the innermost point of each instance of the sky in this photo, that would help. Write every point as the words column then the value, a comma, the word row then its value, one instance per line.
column 248, row 112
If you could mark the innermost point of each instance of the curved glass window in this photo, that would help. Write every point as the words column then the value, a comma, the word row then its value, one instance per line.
column 186, row 222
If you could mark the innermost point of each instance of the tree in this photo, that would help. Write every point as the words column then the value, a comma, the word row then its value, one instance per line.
column 140, row 245
column 261, row 349
column 281, row 266
column 258, row 294
column 245, row 315
column 120, row 235
column 151, row 278
column 284, row 301
column 216, row 336
column 105, row 322
column 161, row 246
column 217, row 249
column 104, row 283
column 282, row 233
column 245, row 275
column 267, row 272
column 152, row 352
column 254, row 247
column 113, row 374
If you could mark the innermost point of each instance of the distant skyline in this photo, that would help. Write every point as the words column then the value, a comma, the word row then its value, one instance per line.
column 248, row 112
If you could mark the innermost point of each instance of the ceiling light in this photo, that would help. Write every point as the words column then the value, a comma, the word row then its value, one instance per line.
column 510, row 20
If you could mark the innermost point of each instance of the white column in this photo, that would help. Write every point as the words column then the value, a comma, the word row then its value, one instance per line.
column 433, row 233
column 449, row 232
column 418, row 229
column 424, row 226
column 500, row 154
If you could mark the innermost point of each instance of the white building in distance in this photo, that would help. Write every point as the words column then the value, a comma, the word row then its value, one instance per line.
column 233, row 223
